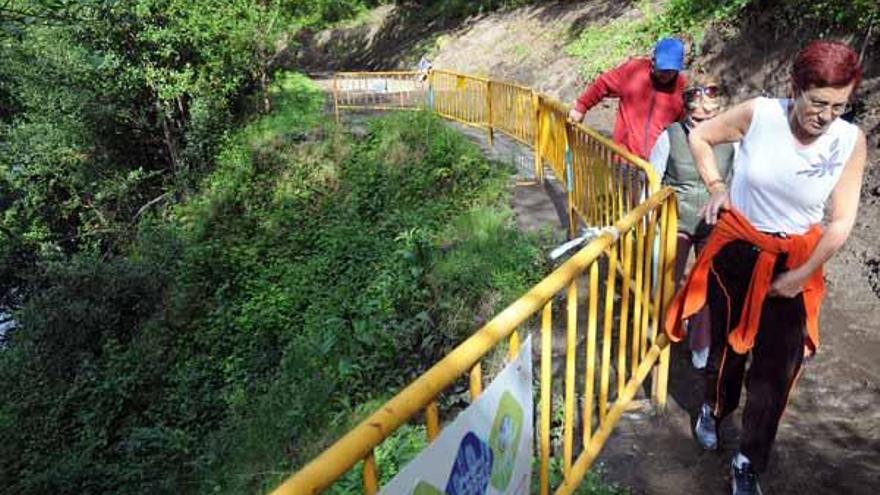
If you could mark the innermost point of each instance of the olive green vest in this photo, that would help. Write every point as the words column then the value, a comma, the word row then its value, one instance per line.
column 681, row 174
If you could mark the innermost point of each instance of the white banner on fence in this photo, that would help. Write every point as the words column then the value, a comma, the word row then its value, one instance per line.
column 487, row 450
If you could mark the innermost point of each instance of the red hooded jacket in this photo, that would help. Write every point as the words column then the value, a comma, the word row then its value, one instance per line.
column 646, row 108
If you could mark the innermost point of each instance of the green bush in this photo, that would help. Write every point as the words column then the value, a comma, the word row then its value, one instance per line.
column 601, row 47
column 604, row 46
column 374, row 296
column 312, row 272
column 594, row 482
column 109, row 109
column 392, row 455
column 825, row 17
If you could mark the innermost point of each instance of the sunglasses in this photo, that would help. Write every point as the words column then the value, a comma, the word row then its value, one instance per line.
column 706, row 91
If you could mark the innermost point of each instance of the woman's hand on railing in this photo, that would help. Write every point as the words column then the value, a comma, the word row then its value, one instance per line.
column 575, row 117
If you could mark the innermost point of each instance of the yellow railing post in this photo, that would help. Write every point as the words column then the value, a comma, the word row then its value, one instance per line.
column 579, row 469
column 610, row 280
column 489, row 119
column 623, row 324
column 569, row 184
column 476, row 381
column 659, row 270
column 647, row 310
column 546, row 377
column 638, row 295
column 668, row 292
column 590, row 381
column 514, row 346
column 539, row 162
column 370, row 475
column 570, row 347
column 432, row 420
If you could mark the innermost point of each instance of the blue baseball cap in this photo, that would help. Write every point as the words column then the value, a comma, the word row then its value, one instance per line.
column 669, row 54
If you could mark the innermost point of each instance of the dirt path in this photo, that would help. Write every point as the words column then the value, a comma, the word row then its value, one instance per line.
column 828, row 442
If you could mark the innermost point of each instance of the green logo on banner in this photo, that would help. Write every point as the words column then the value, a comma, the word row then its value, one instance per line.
column 504, row 440
column 423, row 488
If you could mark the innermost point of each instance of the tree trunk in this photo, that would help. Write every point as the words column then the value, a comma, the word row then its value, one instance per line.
column 264, row 85
column 170, row 141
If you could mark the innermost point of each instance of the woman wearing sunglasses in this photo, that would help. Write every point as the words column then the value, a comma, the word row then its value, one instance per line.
column 674, row 163
column 761, row 269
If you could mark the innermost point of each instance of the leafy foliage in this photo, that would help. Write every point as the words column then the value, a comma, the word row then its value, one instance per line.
column 592, row 484
column 603, row 46
column 230, row 340
column 392, row 454
column 825, row 17
column 196, row 302
column 124, row 110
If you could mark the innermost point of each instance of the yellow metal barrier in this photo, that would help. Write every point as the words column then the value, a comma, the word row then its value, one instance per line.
column 514, row 111
column 379, row 90
column 597, row 417
column 607, row 187
column 460, row 98
column 552, row 143
column 604, row 181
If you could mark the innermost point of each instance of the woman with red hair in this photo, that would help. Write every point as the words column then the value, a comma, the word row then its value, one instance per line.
column 761, row 270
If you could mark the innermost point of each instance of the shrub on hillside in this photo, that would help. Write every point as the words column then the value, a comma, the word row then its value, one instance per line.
column 312, row 272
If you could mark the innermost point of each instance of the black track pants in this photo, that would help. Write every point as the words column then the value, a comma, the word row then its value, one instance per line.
column 776, row 357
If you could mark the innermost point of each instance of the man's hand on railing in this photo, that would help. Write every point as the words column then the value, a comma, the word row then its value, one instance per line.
column 575, row 117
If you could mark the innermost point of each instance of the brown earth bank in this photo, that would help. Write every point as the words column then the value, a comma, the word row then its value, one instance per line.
column 829, row 439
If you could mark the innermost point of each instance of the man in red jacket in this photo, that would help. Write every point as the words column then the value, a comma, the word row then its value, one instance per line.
column 650, row 92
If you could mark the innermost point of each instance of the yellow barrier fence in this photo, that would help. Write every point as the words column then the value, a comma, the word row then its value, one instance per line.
column 551, row 146
column 514, row 110
column 379, row 90
column 460, row 98
column 626, row 272
column 604, row 181
column 614, row 347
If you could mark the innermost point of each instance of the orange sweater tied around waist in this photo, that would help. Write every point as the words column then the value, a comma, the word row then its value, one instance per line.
column 733, row 226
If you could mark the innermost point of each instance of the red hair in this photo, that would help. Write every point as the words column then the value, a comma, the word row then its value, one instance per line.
column 826, row 63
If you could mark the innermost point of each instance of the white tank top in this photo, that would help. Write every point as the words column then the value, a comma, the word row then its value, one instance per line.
column 779, row 184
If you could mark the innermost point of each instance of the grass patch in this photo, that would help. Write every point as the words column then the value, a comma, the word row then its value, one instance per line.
column 357, row 264
column 602, row 47
column 392, row 455
column 594, row 483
